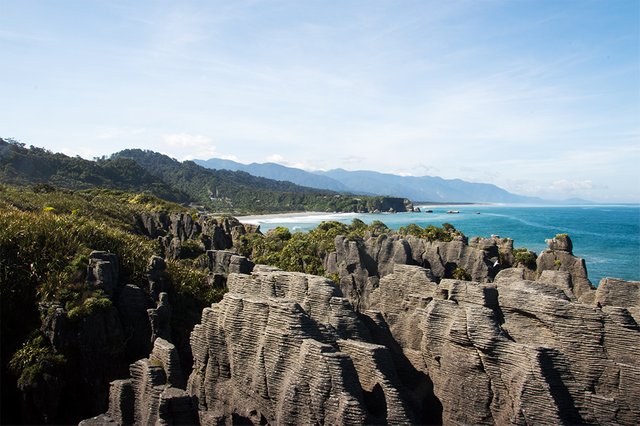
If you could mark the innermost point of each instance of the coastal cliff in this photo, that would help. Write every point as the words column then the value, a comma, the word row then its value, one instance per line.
column 287, row 348
column 168, row 320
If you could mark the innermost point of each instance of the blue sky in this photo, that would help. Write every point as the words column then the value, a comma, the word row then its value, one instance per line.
column 539, row 97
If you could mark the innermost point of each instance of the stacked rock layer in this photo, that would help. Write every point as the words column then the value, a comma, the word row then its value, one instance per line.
column 286, row 348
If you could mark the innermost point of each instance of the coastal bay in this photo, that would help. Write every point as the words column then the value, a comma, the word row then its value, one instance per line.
column 606, row 236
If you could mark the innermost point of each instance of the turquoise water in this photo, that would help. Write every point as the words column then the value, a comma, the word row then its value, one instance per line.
column 606, row 236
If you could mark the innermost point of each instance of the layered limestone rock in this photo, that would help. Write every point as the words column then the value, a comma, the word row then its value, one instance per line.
column 95, row 346
column 102, row 272
column 559, row 257
column 152, row 395
column 286, row 348
column 514, row 351
column 614, row 292
column 173, row 230
column 221, row 263
column 360, row 264
column 160, row 318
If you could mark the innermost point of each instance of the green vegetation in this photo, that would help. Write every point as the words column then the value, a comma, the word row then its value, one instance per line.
column 28, row 166
column 525, row 257
column 34, row 360
column 114, row 208
column 153, row 174
column 192, row 293
column 46, row 236
column 303, row 251
column 89, row 306
column 557, row 263
column 461, row 274
column 432, row 233
column 224, row 190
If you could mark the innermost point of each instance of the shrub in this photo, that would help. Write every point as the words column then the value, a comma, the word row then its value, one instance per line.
column 35, row 359
column 432, row 233
column 461, row 274
column 191, row 249
column 89, row 306
column 193, row 283
column 334, row 277
column 411, row 229
column 378, row 228
column 525, row 257
column 300, row 254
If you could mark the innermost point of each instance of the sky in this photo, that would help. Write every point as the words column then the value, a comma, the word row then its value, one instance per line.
column 539, row 97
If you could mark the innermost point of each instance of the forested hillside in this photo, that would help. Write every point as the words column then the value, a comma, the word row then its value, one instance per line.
column 184, row 182
column 20, row 165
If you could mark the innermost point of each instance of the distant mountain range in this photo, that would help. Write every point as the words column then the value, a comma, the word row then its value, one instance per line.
column 278, row 172
column 418, row 189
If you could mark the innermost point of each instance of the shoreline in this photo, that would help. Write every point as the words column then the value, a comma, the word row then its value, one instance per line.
column 258, row 218
column 249, row 218
column 255, row 218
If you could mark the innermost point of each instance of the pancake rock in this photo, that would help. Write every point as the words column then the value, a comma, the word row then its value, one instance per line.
column 152, row 395
column 174, row 230
column 286, row 348
column 361, row 264
column 514, row 351
column 559, row 256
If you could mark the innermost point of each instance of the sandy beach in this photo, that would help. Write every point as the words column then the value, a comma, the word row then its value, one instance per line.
column 261, row 218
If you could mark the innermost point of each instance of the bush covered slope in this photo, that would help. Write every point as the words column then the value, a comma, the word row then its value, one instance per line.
column 184, row 182
column 46, row 237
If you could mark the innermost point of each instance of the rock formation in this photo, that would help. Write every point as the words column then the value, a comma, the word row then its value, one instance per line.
column 94, row 346
column 173, row 230
column 152, row 395
column 223, row 262
column 559, row 256
column 614, row 292
column 360, row 264
column 160, row 318
column 286, row 348
column 514, row 351
column 415, row 347
column 102, row 272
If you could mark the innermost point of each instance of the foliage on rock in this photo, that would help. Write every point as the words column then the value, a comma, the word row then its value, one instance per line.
column 461, row 274
column 525, row 257
column 44, row 255
column 33, row 360
column 303, row 251
column 89, row 306
column 432, row 233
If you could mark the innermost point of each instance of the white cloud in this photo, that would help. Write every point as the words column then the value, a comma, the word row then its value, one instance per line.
column 279, row 159
column 187, row 146
column 186, row 140
column 565, row 185
column 276, row 158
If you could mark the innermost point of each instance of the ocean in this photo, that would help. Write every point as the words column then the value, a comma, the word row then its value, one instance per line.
column 606, row 236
